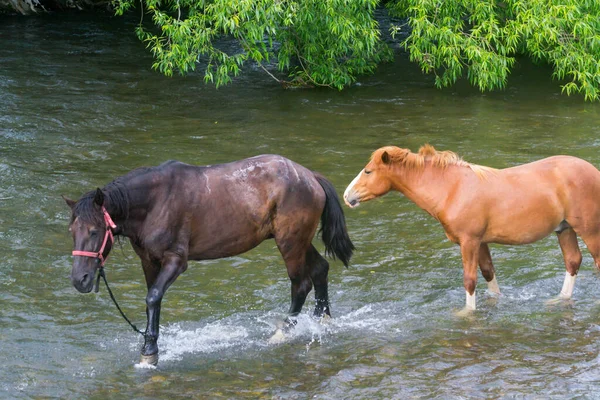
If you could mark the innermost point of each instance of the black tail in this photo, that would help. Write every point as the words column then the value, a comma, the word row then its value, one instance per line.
column 333, row 224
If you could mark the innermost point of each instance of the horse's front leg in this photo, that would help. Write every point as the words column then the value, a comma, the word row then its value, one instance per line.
column 469, row 249
column 172, row 266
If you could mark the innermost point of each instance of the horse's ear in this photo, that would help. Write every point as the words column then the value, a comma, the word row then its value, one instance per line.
column 385, row 158
column 99, row 197
column 70, row 203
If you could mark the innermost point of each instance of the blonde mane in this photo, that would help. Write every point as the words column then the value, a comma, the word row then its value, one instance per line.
column 427, row 152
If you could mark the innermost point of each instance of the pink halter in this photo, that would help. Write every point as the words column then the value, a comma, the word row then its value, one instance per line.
column 109, row 226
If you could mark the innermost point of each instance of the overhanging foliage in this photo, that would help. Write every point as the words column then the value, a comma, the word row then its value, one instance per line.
column 481, row 38
column 315, row 42
column 331, row 42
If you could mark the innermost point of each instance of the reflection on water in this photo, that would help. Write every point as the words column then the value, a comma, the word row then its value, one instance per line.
column 79, row 106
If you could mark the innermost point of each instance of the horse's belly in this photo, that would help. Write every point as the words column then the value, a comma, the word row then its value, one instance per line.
column 520, row 232
column 226, row 242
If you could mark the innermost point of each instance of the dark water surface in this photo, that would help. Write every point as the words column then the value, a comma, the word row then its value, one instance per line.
column 80, row 106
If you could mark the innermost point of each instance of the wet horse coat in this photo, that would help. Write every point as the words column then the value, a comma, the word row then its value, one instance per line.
column 178, row 212
column 477, row 205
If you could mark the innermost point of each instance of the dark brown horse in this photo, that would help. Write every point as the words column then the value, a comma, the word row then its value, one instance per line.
column 176, row 212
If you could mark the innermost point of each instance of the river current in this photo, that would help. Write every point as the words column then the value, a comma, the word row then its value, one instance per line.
column 80, row 106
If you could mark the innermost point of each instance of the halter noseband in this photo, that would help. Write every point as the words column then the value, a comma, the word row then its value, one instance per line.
column 108, row 235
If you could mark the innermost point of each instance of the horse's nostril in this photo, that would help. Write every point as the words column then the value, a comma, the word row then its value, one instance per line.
column 84, row 278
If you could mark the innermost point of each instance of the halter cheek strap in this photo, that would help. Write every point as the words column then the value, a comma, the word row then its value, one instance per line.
column 110, row 225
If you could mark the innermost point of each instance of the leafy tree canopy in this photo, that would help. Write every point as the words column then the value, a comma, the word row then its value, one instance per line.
column 331, row 42
column 317, row 42
column 482, row 37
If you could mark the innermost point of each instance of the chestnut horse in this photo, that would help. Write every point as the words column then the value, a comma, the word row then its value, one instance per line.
column 176, row 212
column 477, row 205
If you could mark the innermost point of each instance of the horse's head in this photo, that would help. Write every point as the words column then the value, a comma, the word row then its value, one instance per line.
column 374, row 180
column 91, row 228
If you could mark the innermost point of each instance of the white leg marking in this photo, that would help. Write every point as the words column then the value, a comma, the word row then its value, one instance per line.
column 471, row 301
column 350, row 186
column 568, row 286
column 493, row 286
column 467, row 311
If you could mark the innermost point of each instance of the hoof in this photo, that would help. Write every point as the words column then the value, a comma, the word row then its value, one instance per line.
column 553, row 301
column 466, row 312
column 560, row 299
column 152, row 359
column 278, row 337
column 325, row 319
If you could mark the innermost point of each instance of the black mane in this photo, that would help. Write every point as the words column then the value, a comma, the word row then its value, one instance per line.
column 116, row 198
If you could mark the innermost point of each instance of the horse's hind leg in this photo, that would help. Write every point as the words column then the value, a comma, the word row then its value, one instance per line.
column 487, row 268
column 567, row 239
column 304, row 265
column 319, row 268
column 294, row 256
column 593, row 244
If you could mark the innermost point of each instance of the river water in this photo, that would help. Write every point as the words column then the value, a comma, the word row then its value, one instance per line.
column 79, row 106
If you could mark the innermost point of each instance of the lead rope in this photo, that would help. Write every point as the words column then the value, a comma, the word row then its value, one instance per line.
column 101, row 274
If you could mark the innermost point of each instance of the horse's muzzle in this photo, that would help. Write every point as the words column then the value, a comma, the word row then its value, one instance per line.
column 84, row 283
column 351, row 200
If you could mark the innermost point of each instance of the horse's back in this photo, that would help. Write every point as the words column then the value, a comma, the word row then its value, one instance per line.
column 569, row 177
column 553, row 172
column 248, row 201
column 268, row 176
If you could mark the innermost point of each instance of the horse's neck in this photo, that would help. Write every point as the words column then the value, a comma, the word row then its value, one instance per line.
column 128, row 215
column 429, row 188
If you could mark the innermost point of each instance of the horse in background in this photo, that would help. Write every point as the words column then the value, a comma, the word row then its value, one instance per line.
column 177, row 212
column 477, row 205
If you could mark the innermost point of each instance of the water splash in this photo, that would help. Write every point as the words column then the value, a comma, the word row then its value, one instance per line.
column 246, row 331
column 145, row 366
column 177, row 341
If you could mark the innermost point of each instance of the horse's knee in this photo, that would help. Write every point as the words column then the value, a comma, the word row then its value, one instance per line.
column 154, row 297
column 573, row 263
column 470, row 283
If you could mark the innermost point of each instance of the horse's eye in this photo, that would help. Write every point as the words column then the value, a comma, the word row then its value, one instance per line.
column 367, row 172
column 93, row 232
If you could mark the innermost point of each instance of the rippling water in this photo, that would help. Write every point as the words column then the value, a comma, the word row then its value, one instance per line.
column 80, row 106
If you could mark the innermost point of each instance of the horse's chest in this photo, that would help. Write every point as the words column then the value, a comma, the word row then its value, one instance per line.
column 450, row 228
column 452, row 237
